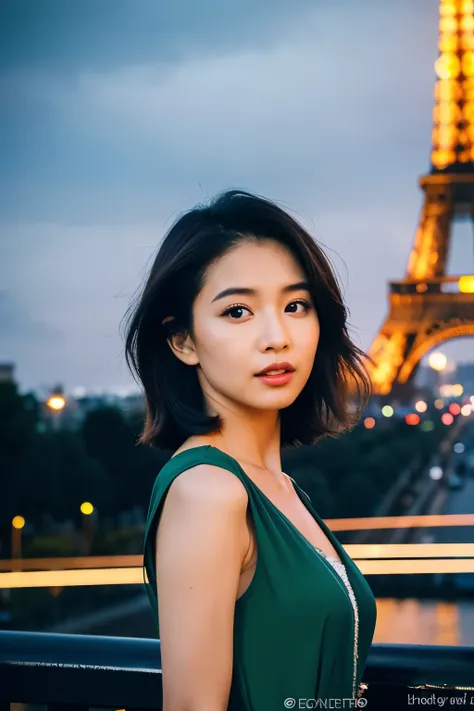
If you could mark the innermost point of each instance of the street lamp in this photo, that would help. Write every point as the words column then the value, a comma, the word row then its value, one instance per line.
column 56, row 404
column 18, row 523
column 87, row 510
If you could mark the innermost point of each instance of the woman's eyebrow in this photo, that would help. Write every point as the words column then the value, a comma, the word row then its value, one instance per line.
column 246, row 291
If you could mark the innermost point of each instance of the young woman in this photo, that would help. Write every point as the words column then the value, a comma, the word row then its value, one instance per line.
column 240, row 342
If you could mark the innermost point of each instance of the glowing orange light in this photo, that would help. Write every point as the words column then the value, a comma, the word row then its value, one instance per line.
column 369, row 423
column 443, row 158
column 468, row 111
column 56, row 402
column 448, row 23
column 467, row 41
column 467, row 23
column 446, row 9
column 446, row 112
column 454, row 408
column 447, row 137
column 447, row 90
column 412, row 419
column 468, row 64
column 448, row 42
column 448, row 65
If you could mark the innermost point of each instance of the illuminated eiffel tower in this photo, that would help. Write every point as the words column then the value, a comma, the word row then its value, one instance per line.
column 427, row 306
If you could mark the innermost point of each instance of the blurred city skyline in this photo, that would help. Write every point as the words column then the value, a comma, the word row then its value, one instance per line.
column 116, row 118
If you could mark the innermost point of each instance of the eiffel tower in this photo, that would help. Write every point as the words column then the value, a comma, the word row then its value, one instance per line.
column 428, row 307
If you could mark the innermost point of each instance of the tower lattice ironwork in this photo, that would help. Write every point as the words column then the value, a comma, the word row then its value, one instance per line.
column 428, row 307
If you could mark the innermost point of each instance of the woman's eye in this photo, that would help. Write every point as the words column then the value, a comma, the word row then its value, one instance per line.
column 305, row 304
column 238, row 308
column 234, row 309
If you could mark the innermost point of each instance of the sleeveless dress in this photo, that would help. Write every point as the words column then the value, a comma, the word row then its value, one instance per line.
column 303, row 627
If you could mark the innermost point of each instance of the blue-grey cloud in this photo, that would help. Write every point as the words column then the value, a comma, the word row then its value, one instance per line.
column 67, row 36
column 118, row 116
column 18, row 328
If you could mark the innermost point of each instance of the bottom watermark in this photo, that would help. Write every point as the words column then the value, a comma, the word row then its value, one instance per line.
column 336, row 703
column 439, row 700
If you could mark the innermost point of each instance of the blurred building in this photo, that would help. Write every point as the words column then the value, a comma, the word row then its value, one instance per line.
column 465, row 376
column 7, row 371
column 77, row 407
column 427, row 378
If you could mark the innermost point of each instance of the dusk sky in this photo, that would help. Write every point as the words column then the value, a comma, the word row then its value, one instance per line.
column 116, row 116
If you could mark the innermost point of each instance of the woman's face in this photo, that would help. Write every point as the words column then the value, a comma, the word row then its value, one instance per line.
column 236, row 335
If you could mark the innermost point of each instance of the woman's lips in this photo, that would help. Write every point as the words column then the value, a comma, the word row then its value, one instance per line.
column 280, row 379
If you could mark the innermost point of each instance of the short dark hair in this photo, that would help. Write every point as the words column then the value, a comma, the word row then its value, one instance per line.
column 339, row 385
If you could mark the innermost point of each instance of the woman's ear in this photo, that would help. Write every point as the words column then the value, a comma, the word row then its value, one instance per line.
column 182, row 345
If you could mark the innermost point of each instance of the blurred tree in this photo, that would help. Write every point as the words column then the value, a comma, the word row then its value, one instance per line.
column 60, row 475
column 49, row 474
column 131, row 468
column 19, row 415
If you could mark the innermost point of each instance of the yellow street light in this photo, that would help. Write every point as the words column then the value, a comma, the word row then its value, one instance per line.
column 18, row 523
column 466, row 284
column 87, row 523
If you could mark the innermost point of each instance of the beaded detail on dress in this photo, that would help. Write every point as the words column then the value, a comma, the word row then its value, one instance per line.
column 340, row 568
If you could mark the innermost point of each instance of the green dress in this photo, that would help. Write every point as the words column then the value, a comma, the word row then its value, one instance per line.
column 303, row 627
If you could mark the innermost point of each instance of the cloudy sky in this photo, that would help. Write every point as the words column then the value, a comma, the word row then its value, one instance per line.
column 117, row 115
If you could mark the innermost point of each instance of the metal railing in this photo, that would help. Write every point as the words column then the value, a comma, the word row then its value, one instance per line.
column 78, row 672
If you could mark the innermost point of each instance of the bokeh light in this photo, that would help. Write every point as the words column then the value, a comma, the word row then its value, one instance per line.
column 437, row 361
column 56, row 402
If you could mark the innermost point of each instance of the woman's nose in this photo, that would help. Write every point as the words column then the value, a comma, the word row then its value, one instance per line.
column 274, row 333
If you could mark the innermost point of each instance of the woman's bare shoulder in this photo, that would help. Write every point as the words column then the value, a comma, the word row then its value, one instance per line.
column 209, row 482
